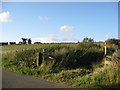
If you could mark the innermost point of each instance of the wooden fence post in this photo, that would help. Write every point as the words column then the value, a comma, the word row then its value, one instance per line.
column 105, row 53
column 39, row 58
column 43, row 54
column 105, row 49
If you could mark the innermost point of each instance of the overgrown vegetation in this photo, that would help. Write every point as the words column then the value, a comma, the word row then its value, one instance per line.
column 80, row 65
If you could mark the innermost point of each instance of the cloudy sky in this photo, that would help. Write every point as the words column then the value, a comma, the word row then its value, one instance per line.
column 60, row 21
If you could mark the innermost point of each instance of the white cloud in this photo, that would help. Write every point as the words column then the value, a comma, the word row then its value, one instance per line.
column 53, row 38
column 66, row 28
column 109, row 35
column 5, row 17
column 42, row 17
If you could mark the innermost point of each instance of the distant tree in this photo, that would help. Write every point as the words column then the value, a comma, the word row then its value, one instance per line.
column 88, row 40
column 37, row 43
column 78, row 42
column 29, row 41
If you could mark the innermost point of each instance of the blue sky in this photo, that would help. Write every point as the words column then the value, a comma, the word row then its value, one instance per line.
column 59, row 22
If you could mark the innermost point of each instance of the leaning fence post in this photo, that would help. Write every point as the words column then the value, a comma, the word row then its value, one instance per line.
column 105, row 49
column 43, row 54
column 39, row 58
column 105, row 53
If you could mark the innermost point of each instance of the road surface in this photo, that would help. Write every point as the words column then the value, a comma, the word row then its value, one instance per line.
column 14, row 80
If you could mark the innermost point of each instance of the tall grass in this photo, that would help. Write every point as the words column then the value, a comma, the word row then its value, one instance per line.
column 65, row 57
column 80, row 65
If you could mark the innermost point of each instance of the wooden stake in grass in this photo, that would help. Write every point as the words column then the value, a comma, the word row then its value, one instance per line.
column 105, row 54
column 105, row 49
column 39, row 59
column 43, row 54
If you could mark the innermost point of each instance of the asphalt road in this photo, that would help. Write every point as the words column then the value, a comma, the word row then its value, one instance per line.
column 14, row 80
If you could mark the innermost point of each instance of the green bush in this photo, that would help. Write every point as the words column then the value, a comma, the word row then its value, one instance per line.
column 113, row 41
column 26, row 58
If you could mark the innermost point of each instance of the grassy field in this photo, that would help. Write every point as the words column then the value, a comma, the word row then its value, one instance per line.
column 77, row 64
column 13, row 48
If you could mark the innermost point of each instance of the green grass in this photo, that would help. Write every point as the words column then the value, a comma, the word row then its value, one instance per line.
column 13, row 48
column 79, row 65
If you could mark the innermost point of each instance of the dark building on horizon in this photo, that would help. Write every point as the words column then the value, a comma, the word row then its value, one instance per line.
column 12, row 43
column 29, row 41
column 3, row 43
column 26, row 41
